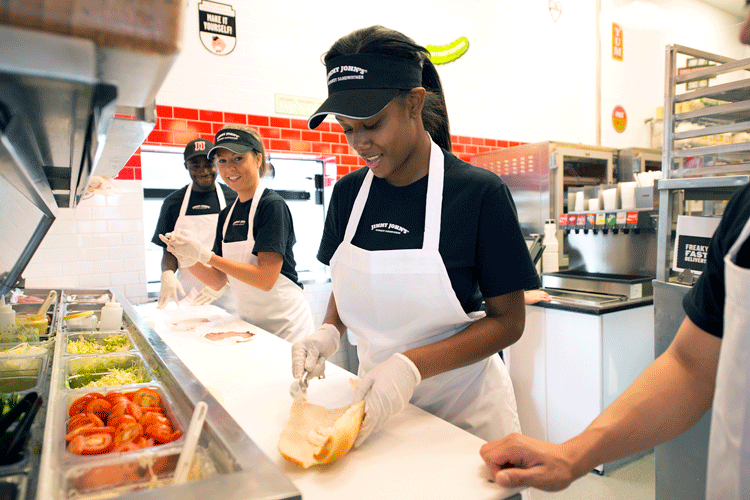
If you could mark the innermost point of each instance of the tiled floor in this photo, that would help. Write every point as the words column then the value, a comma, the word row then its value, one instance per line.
column 634, row 481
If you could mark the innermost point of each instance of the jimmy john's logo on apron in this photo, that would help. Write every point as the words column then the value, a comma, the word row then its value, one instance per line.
column 217, row 27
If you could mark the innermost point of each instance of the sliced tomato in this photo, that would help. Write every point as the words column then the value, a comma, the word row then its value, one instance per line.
column 86, row 430
column 122, row 419
column 150, row 418
column 147, row 398
column 77, row 420
column 80, row 419
column 152, row 409
column 114, row 395
column 98, row 422
column 160, row 433
column 119, row 409
column 144, row 442
column 126, row 446
column 79, row 405
column 91, row 444
column 128, row 432
column 134, row 410
column 99, row 407
column 176, row 435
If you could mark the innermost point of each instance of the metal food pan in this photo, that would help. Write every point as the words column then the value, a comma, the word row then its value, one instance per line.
column 97, row 338
column 25, row 349
column 65, row 459
column 119, row 476
column 81, row 370
column 22, row 374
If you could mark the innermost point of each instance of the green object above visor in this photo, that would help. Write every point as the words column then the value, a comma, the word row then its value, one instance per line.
column 361, row 85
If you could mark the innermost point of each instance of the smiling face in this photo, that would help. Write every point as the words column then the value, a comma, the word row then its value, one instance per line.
column 202, row 173
column 239, row 171
column 393, row 143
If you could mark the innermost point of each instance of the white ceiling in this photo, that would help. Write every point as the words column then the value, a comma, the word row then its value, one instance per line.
column 736, row 7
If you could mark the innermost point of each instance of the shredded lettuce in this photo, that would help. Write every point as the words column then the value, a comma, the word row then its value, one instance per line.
column 118, row 376
column 112, row 343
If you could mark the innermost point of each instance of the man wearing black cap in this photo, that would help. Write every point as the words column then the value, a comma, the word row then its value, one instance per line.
column 196, row 208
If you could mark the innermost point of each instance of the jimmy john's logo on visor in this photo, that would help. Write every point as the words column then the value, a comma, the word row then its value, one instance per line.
column 217, row 27
column 341, row 73
column 227, row 136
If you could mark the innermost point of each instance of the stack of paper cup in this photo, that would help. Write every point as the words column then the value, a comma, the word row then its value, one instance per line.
column 593, row 204
column 580, row 202
column 610, row 199
column 627, row 195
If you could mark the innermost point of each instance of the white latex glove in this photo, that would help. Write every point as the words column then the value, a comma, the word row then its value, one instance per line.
column 310, row 353
column 186, row 247
column 170, row 285
column 208, row 295
column 386, row 389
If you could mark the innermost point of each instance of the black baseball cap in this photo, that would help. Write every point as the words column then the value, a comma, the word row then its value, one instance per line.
column 235, row 140
column 197, row 147
column 361, row 85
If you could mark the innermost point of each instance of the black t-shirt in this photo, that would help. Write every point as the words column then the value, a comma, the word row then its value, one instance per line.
column 704, row 303
column 273, row 230
column 199, row 204
column 480, row 240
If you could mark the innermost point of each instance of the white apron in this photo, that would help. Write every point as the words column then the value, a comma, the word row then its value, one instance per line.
column 395, row 300
column 729, row 445
column 204, row 226
column 283, row 310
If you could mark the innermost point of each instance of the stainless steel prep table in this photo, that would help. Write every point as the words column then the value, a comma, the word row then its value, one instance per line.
column 416, row 455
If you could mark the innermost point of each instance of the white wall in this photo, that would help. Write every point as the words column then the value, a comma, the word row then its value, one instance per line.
column 637, row 82
column 97, row 245
column 524, row 78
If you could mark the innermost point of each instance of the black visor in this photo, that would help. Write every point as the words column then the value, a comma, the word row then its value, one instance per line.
column 236, row 141
column 361, row 85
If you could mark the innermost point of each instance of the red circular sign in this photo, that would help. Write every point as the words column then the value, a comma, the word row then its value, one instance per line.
column 619, row 118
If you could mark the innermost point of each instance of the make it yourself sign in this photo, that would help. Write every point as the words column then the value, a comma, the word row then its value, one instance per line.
column 217, row 27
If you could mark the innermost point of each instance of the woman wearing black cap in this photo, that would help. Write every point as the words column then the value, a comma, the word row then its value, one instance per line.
column 253, row 246
column 414, row 242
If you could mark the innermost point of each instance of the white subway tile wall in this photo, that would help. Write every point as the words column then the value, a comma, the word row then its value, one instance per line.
column 99, row 244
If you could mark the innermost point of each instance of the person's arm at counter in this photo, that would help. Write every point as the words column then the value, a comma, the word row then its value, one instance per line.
column 168, row 262
column 665, row 400
column 502, row 327
column 212, row 269
column 263, row 275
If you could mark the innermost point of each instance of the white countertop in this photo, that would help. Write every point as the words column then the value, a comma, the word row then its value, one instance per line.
column 416, row 455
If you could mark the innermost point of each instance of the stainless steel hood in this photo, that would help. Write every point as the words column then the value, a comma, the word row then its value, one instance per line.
column 69, row 109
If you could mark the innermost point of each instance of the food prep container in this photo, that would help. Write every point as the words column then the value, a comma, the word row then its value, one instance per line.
column 98, row 340
column 22, row 374
column 80, row 371
column 225, row 458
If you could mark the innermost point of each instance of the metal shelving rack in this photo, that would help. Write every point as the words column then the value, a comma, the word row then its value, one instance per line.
column 694, row 166
column 698, row 163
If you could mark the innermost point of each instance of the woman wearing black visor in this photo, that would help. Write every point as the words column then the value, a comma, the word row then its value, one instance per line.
column 254, row 239
column 415, row 242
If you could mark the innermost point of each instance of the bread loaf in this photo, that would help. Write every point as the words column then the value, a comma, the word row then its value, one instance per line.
column 316, row 435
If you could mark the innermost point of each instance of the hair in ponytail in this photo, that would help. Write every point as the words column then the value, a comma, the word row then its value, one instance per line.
column 381, row 40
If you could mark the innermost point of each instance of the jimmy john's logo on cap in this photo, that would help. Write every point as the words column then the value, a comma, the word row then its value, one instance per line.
column 199, row 146
column 353, row 73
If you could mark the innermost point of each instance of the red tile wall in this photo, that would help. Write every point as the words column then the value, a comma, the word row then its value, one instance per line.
column 177, row 126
